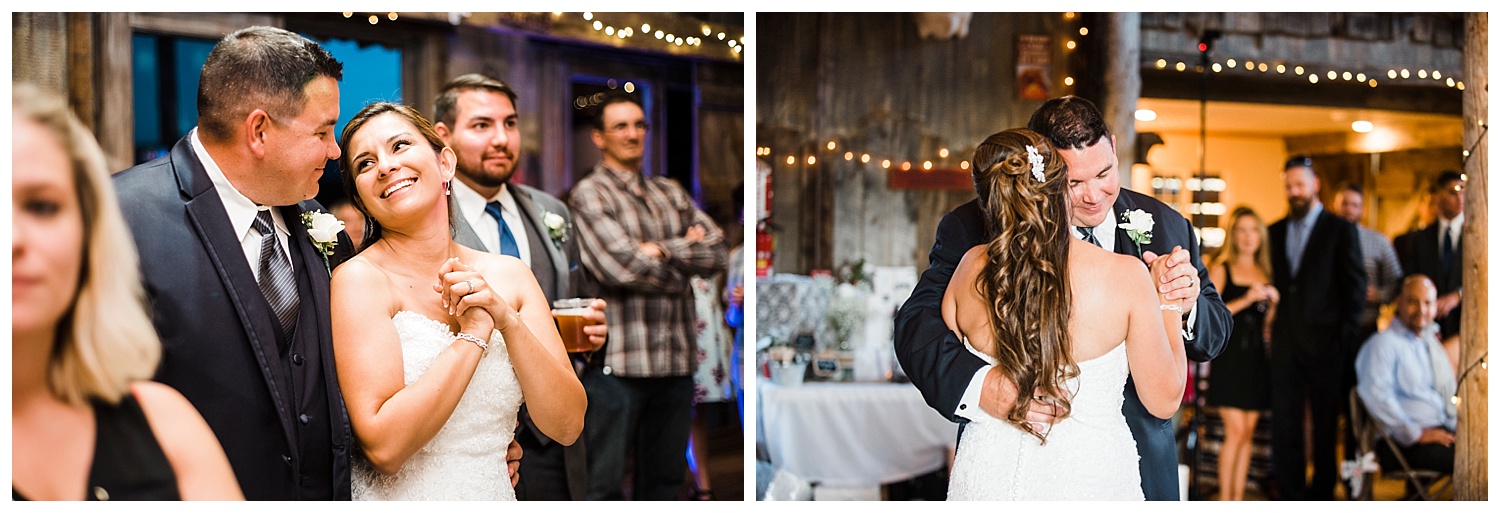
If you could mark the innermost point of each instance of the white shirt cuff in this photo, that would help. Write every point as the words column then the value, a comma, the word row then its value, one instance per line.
column 968, row 406
column 1191, row 326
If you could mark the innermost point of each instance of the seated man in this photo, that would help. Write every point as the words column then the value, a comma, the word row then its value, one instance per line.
column 1406, row 380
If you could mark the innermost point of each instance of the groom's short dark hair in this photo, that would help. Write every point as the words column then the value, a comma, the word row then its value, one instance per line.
column 1069, row 122
column 259, row 68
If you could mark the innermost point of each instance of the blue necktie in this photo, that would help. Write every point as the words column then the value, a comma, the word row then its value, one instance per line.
column 507, row 241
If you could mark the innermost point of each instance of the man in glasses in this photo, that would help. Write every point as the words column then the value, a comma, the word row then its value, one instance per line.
column 642, row 240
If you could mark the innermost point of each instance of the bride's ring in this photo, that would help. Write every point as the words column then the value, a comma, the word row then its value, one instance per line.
column 470, row 283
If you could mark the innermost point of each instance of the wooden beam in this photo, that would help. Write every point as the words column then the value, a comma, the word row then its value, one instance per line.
column 1471, row 464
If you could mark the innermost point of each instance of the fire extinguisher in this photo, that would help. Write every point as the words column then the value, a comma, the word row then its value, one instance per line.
column 764, row 250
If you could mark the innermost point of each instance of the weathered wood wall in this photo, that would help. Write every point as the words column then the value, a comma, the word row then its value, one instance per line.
column 72, row 53
column 868, row 82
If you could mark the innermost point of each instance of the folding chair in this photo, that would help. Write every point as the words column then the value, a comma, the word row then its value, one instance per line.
column 1369, row 433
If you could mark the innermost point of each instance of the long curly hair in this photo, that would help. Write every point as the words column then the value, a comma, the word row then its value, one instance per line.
column 1025, row 276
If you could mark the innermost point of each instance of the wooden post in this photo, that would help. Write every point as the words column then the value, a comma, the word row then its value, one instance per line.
column 1122, row 85
column 1471, row 466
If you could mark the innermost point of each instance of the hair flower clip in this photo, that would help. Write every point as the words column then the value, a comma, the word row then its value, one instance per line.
column 1036, row 163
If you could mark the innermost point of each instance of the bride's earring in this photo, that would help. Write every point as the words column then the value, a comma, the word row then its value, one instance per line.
column 448, row 188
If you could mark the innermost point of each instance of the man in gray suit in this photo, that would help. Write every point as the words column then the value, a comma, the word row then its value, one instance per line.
column 476, row 116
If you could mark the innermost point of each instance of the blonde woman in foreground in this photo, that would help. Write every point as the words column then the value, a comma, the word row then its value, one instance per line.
column 85, row 422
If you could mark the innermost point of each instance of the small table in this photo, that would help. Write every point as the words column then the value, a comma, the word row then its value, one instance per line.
column 852, row 435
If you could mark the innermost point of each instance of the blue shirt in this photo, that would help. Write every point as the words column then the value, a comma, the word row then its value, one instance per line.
column 1397, row 385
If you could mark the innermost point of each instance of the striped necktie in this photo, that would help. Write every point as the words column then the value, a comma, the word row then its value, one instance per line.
column 276, row 279
column 1088, row 235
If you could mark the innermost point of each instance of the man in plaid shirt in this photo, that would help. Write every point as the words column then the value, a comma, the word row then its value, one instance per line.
column 642, row 239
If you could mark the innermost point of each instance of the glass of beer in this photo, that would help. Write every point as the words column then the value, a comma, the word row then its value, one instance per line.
column 572, row 315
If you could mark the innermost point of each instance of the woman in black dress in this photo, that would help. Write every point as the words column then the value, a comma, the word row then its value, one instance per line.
column 1239, row 379
column 84, row 422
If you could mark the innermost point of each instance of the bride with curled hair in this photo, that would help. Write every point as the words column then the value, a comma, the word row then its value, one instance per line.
column 1069, row 324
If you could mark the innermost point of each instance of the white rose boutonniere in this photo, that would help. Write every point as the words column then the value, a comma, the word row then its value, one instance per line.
column 557, row 228
column 1138, row 224
column 323, row 229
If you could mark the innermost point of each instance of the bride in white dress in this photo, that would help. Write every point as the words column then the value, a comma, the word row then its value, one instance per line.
column 1051, row 312
column 436, row 344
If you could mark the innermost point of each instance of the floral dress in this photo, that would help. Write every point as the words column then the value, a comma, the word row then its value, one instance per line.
column 711, row 381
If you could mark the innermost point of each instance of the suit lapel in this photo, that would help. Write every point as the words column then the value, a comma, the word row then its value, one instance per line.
column 1123, row 243
column 558, row 262
column 462, row 232
column 205, row 211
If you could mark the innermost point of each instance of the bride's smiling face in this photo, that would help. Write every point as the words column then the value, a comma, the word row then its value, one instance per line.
column 396, row 169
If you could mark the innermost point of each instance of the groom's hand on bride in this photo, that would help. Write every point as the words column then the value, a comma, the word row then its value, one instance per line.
column 1176, row 278
column 998, row 396
column 513, row 462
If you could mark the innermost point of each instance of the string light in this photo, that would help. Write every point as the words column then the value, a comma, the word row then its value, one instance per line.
column 1083, row 31
column 1281, row 68
column 848, row 155
column 1218, row 67
column 927, row 165
column 885, row 163
column 963, row 165
column 906, row 166
column 1162, row 63
column 1230, row 62
column 943, row 153
column 374, row 19
column 392, row 16
column 812, row 160
column 790, row 160
column 1071, row 45
column 1068, row 81
column 831, row 145
column 864, row 159
column 1421, row 73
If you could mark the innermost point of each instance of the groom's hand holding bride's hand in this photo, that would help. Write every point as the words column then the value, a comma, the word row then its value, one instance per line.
column 1176, row 278
column 999, row 395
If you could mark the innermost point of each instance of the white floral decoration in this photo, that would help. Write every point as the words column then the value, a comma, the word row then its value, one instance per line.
column 323, row 229
column 557, row 228
column 1036, row 163
column 1138, row 224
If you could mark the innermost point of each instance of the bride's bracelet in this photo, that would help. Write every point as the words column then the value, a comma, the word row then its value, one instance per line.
column 471, row 338
column 1173, row 308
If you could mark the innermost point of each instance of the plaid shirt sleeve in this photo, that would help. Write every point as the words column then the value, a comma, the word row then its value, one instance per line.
column 705, row 257
column 609, row 251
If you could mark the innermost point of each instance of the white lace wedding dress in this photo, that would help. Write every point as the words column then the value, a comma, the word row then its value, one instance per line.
column 1090, row 455
column 466, row 459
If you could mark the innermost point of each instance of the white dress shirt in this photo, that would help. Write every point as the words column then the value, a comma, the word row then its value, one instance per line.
column 241, row 210
column 471, row 205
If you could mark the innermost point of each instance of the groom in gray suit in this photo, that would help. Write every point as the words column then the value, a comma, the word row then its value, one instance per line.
column 476, row 116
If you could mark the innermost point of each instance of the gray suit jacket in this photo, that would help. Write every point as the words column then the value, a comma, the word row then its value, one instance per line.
column 552, row 262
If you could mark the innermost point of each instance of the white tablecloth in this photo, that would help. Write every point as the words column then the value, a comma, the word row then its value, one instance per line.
column 852, row 434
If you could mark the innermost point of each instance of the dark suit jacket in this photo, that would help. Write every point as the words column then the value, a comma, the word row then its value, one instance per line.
column 218, row 332
column 1421, row 255
column 939, row 365
column 554, row 266
column 1317, row 320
